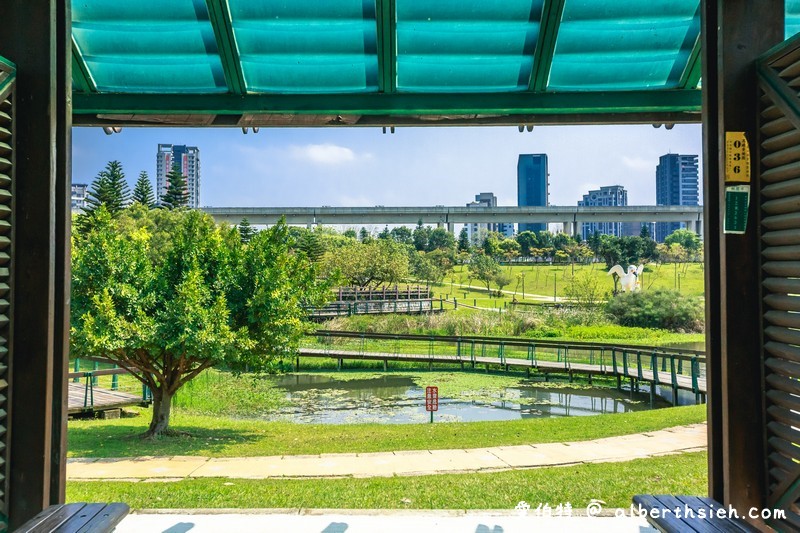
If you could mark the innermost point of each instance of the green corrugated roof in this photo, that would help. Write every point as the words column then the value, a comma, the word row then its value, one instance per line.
column 387, row 57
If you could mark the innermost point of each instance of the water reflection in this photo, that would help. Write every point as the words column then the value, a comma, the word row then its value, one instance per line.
column 397, row 400
column 698, row 346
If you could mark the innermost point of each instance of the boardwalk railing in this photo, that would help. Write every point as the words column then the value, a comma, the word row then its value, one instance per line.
column 376, row 307
column 669, row 367
column 91, row 382
column 383, row 293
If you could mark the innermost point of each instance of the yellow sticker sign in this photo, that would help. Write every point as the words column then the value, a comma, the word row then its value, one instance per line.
column 737, row 157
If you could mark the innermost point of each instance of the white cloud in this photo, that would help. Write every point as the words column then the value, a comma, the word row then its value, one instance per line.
column 324, row 154
column 639, row 163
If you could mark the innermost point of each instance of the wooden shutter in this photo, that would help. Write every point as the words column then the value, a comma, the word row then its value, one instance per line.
column 7, row 77
column 779, row 168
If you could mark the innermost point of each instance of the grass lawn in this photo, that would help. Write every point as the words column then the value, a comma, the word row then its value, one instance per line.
column 540, row 279
column 217, row 436
column 613, row 483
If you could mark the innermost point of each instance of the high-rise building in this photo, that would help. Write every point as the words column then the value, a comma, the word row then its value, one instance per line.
column 608, row 196
column 478, row 230
column 676, row 184
column 187, row 159
column 532, row 185
column 79, row 196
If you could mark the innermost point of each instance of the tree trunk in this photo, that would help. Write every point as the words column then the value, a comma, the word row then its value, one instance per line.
column 162, row 402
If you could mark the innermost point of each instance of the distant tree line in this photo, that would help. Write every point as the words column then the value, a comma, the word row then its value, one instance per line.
column 110, row 190
column 363, row 259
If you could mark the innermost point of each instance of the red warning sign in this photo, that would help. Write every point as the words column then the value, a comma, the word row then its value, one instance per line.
column 431, row 399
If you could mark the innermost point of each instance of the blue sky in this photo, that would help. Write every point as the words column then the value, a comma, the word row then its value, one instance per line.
column 413, row 166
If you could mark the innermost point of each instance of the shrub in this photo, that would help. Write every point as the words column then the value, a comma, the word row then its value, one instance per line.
column 663, row 309
column 584, row 291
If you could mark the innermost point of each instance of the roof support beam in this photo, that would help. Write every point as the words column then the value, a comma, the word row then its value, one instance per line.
column 546, row 44
column 80, row 72
column 371, row 121
column 691, row 74
column 387, row 46
column 220, row 17
column 391, row 104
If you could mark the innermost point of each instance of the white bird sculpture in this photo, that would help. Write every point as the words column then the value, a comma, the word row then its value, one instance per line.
column 630, row 281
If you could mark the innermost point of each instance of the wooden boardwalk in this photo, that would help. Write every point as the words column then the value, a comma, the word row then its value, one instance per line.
column 98, row 399
column 659, row 377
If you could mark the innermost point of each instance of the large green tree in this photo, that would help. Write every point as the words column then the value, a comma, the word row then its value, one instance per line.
column 491, row 244
column 440, row 239
column 527, row 242
column 177, row 194
column 686, row 238
column 609, row 250
column 375, row 262
column 143, row 191
column 509, row 248
column 402, row 235
column 425, row 268
column 420, row 237
column 484, row 268
column 203, row 299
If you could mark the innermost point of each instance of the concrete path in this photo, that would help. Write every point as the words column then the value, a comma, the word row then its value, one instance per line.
column 401, row 463
column 528, row 295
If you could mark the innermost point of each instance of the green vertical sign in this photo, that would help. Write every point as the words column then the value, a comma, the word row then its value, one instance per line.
column 737, row 200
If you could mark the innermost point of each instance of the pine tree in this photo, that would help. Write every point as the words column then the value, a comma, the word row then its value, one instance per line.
column 98, row 194
column 177, row 194
column 311, row 245
column 109, row 189
column 143, row 191
column 246, row 231
column 364, row 235
column 463, row 240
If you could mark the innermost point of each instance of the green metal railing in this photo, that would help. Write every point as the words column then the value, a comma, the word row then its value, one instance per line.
column 90, row 378
column 667, row 367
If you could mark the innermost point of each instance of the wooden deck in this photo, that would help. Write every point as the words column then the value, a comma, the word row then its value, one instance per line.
column 659, row 377
column 98, row 399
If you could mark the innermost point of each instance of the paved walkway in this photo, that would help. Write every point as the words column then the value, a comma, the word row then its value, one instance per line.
column 402, row 463
column 528, row 295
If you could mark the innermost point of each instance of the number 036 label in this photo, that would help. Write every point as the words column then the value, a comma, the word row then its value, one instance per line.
column 737, row 157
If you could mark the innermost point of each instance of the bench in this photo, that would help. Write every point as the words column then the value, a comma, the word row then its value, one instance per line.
column 679, row 514
column 77, row 518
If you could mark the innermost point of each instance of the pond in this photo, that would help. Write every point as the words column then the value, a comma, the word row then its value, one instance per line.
column 397, row 399
column 698, row 346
